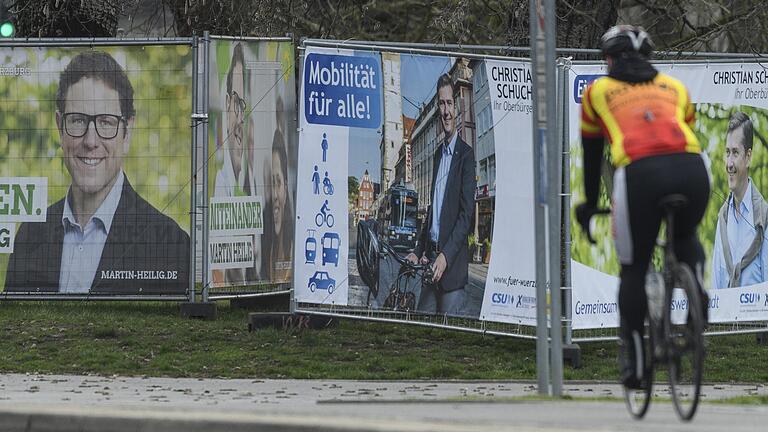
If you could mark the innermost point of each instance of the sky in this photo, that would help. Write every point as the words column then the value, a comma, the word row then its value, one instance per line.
column 418, row 77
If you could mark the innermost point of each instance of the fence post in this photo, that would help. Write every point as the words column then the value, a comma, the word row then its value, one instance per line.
column 205, row 61
column 193, row 176
column 571, row 351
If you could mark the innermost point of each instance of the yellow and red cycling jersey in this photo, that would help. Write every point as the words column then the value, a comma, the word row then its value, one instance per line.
column 639, row 119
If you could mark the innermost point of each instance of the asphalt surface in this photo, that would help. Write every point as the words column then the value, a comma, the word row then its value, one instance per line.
column 83, row 403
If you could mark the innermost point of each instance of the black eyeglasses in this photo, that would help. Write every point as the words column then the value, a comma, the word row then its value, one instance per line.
column 76, row 124
column 240, row 104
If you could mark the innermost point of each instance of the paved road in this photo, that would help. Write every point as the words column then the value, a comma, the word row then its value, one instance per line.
column 76, row 403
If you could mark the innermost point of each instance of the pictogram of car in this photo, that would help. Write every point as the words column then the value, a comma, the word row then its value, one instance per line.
column 321, row 280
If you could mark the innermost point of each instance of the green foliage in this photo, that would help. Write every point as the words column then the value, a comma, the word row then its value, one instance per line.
column 353, row 189
column 150, row 339
column 601, row 256
column 711, row 126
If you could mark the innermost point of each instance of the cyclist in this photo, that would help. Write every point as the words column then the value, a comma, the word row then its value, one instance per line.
column 647, row 118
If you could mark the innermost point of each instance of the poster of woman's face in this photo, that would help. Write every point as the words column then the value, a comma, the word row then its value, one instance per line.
column 253, row 157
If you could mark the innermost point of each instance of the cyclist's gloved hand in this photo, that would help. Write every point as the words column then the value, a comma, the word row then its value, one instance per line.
column 584, row 213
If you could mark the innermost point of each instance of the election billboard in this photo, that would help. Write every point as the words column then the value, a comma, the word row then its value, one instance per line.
column 409, row 148
column 731, row 108
column 252, row 163
column 95, row 161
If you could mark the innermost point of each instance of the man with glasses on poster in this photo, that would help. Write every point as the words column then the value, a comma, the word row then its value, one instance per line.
column 102, row 237
column 236, row 176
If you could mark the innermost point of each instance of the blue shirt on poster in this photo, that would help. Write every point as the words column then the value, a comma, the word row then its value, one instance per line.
column 441, row 179
column 82, row 246
column 741, row 232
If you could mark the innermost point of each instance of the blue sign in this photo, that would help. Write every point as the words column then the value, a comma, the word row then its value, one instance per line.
column 342, row 90
column 580, row 84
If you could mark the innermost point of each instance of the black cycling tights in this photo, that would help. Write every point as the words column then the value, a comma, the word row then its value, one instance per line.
column 638, row 217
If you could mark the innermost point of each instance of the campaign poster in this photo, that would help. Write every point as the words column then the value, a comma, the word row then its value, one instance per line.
column 252, row 163
column 340, row 116
column 421, row 178
column 731, row 104
column 95, row 161
column 510, row 289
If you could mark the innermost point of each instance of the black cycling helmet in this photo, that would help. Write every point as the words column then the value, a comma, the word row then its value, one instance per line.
column 626, row 38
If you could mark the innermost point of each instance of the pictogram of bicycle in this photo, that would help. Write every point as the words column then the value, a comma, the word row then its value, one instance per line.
column 325, row 216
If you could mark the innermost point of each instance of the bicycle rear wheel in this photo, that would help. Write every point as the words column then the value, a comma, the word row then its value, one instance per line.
column 638, row 400
column 686, row 348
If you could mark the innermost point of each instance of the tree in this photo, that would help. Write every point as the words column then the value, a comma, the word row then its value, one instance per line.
column 677, row 25
column 353, row 190
column 66, row 18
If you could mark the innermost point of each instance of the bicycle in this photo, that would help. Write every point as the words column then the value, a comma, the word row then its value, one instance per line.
column 324, row 216
column 370, row 248
column 677, row 345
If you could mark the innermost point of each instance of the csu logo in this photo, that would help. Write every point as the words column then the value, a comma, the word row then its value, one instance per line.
column 580, row 84
column 502, row 298
column 749, row 298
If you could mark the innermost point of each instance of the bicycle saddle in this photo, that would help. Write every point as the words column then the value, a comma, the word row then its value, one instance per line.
column 673, row 202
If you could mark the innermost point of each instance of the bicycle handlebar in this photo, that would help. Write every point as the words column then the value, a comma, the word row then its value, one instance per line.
column 401, row 260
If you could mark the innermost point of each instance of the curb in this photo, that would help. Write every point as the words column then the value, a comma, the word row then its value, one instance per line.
column 76, row 419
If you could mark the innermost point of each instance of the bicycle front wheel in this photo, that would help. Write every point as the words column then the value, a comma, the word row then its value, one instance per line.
column 686, row 348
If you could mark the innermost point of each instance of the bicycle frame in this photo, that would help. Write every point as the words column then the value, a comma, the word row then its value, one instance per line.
column 669, row 271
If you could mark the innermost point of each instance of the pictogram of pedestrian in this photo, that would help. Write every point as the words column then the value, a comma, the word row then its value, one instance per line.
column 324, row 145
column 316, row 181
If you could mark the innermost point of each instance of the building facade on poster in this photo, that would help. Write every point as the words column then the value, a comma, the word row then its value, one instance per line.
column 365, row 199
column 404, row 166
column 392, row 138
column 427, row 134
column 485, row 154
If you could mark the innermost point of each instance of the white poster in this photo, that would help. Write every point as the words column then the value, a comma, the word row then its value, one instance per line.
column 510, row 288
column 729, row 98
column 7, row 235
column 340, row 92
column 23, row 199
